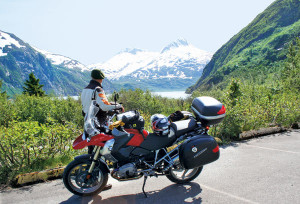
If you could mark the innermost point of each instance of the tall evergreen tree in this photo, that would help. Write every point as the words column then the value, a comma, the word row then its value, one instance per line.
column 290, row 73
column 2, row 93
column 32, row 86
column 234, row 91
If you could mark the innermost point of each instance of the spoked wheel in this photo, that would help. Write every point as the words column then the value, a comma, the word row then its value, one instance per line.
column 77, row 180
column 181, row 175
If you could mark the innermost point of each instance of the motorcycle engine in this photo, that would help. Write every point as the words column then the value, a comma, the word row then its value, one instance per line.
column 126, row 171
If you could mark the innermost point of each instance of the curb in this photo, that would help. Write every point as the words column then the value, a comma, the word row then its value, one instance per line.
column 38, row 176
column 261, row 132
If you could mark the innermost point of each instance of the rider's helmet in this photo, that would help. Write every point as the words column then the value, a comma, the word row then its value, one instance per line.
column 160, row 124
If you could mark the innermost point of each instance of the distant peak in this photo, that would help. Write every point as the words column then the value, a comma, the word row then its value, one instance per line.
column 178, row 43
column 181, row 42
column 131, row 51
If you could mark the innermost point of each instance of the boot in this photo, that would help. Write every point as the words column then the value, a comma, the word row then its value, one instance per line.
column 107, row 187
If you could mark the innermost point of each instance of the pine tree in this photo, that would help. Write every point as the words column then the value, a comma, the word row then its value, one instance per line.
column 33, row 87
column 2, row 93
column 290, row 73
column 234, row 91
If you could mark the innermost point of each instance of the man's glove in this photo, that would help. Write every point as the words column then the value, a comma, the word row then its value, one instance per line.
column 116, row 124
column 122, row 109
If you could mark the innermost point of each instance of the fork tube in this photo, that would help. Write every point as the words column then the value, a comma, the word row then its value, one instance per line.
column 94, row 159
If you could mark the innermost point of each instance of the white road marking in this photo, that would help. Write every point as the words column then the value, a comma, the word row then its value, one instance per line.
column 228, row 194
column 273, row 149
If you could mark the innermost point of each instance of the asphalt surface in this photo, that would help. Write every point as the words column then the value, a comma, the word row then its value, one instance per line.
column 262, row 170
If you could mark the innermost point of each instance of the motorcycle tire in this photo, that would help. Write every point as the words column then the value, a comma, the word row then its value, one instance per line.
column 184, row 179
column 84, row 165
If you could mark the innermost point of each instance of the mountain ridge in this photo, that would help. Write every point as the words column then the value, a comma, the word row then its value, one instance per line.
column 18, row 59
column 178, row 60
column 257, row 46
column 177, row 66
column 61, row 60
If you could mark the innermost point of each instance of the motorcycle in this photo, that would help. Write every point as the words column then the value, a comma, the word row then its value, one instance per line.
column 126, row 151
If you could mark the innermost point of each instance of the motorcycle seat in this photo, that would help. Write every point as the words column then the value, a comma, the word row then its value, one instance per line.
column 155, row 142
column 183, row 126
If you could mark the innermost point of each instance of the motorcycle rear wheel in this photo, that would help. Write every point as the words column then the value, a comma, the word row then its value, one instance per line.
column 181, row 175
column 74, row 178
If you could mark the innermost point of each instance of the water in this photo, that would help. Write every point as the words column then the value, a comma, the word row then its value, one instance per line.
column 172, row 94
column 74, row 97
column 168, row 94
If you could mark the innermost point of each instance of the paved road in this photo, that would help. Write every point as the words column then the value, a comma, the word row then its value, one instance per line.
column 263, row 170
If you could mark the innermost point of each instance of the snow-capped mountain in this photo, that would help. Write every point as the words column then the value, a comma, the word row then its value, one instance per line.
column 63, row 61
column 177, row 66
column 180, row 62
column 60, row 75
column 125, row 63
column 8, row 42
column 178, row 43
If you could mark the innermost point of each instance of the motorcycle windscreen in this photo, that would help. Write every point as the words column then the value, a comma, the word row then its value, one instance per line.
column 198, row 151
column 90, row 120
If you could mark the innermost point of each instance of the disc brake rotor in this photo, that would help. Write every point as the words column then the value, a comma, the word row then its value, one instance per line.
column 82, row 181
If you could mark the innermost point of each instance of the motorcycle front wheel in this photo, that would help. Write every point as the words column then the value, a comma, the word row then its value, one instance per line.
column 181, row 175
column 77, row 181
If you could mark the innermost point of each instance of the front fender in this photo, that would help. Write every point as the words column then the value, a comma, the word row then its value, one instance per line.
column 97, row 140
column 86, row 157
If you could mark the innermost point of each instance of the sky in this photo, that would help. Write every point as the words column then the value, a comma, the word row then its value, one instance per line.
column 93, row 31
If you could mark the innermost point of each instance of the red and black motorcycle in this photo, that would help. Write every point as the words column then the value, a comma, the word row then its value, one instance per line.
column 126, row 151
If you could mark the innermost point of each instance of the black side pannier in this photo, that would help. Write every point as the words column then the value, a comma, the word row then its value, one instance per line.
column 198, row 151
column 132, row 120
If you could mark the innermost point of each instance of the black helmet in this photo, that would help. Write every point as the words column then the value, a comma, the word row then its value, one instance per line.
column 160, row 124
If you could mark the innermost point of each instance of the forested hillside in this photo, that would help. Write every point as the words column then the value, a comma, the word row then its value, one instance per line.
column 258, row 51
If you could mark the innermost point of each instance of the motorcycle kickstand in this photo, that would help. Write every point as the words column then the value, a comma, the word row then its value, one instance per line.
column 145, row 178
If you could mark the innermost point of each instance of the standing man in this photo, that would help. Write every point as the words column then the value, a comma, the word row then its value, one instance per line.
column 95, row 89
column 100, row 97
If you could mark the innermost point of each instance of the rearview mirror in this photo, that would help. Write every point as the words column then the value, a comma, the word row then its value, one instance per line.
column 116, row 96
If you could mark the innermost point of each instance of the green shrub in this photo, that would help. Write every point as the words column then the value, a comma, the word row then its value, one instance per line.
column 250, row 106
column 150, row 104
column 26, row 145
column 33, row 108
column 37, row 132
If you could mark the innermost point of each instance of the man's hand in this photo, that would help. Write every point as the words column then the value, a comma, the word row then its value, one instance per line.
column 122, row 109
